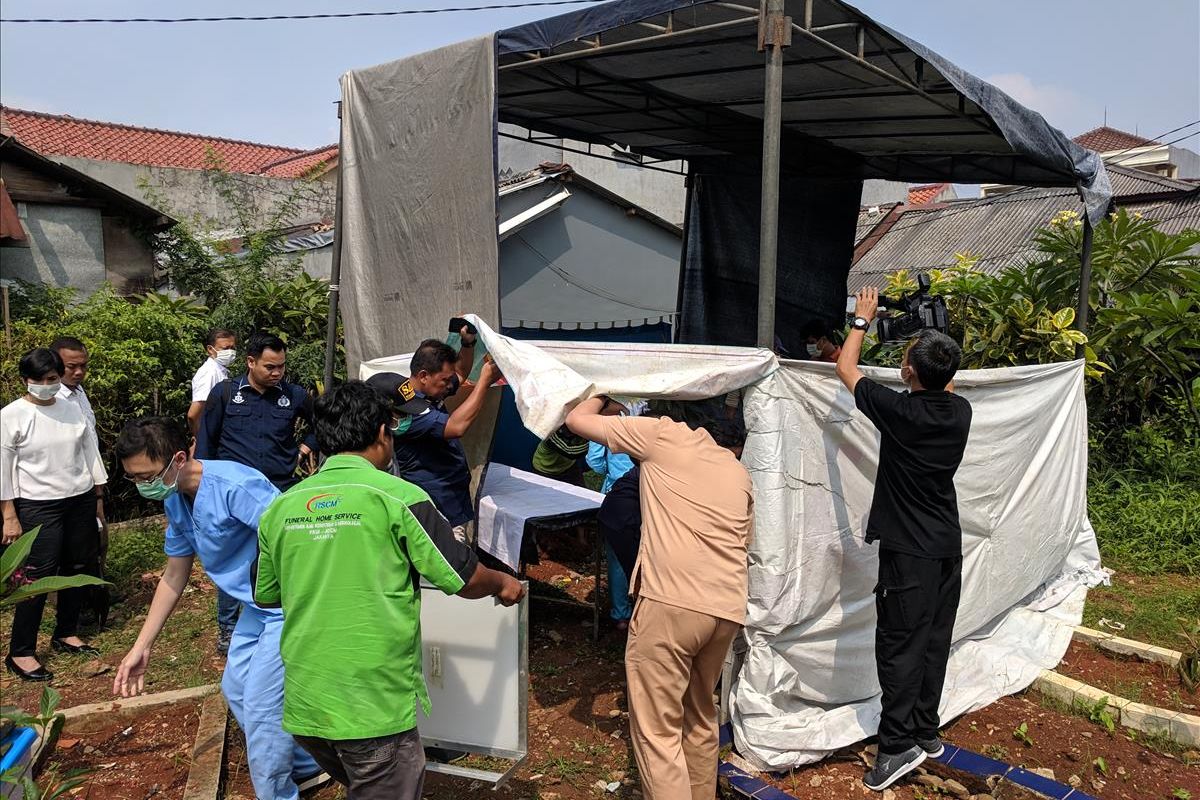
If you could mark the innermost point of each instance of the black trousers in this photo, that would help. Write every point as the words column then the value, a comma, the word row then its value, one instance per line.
column 381, row 768
column 916, row 602
column 68, row 544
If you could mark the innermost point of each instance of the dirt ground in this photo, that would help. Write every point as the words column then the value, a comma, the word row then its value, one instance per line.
column 132, row 756
column 185, row 654
column 579, row 728
column 1140, row 681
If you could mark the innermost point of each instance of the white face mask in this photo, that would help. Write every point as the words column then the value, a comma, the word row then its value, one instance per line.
column 226, row 357
column 44, row 391
column 813, row 350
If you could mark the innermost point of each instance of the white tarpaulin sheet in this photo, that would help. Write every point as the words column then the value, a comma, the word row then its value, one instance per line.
column 511, row 497
column 549, row 378
column 808, row 684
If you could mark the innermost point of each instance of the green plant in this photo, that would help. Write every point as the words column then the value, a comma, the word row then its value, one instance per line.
column 1021, row 734
column 1099, row 714
column 49, row 723
column 16, row 587
column 1181, row 794
column 1101, row 765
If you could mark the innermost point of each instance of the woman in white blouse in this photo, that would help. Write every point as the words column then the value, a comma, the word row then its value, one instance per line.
column 50, row 475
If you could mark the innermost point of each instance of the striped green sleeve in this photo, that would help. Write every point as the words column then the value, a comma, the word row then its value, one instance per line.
column 440, row 558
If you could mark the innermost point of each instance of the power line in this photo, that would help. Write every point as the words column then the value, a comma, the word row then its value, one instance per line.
column 277, row 17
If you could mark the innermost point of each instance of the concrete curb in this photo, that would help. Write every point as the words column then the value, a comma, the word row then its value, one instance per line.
column 1179, row 726
column 1128, row 647
column 141, row 702
column 208, row 754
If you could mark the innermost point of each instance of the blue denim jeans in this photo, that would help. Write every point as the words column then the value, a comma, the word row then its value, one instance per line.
column 227, row 611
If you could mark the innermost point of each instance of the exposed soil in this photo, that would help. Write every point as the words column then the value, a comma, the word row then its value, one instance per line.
column 132, row 756
column 579, row 728
column 184, row 656
column 1139, row 681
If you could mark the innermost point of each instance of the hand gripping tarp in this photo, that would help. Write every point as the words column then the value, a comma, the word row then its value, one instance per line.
column 808, row 683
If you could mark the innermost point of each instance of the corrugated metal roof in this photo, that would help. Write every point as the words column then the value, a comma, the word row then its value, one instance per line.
column 1000, row 229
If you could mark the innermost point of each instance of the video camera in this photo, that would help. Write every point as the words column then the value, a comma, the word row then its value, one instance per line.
column 912, row 313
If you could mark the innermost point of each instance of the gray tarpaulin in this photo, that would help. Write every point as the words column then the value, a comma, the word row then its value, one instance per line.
column 419, row 197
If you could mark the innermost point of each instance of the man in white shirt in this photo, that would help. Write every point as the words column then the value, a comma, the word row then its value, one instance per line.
column 220, row 346
column 75, row 368
column 74, row 355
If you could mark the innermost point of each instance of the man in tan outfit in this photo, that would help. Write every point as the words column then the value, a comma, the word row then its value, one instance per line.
column 690, row 585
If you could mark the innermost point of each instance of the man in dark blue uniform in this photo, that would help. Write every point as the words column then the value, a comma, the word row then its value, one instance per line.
column 428, row 452
column 252, row 420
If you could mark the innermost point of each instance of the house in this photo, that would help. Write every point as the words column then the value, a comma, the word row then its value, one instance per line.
column 1129, row 150
column 176, row 165
column 62, row 227
column 931, row 193
column 578, row 260
column 999, row 229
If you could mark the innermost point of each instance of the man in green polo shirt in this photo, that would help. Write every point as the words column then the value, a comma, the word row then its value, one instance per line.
column 342, row 552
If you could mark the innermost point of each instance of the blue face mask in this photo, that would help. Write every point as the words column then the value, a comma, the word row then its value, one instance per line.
column 156, row 489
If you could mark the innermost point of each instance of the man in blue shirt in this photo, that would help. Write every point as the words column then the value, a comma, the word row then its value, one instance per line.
column 428, row 452
column 252, row 420
column 212, row 509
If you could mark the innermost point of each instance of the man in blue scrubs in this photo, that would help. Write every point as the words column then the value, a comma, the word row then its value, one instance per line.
column 252, row 420
column 212, row 510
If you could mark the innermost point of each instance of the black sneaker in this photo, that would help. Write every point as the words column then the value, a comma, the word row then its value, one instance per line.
column 224, row 637
column 890, row 768
column 932, row 747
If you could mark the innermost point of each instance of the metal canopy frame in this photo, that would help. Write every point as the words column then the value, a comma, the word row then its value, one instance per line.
column 866, row 60
column 857, row 52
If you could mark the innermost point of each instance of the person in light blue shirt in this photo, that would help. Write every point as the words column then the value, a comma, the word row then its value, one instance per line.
column 612, row 466
column 212, row 509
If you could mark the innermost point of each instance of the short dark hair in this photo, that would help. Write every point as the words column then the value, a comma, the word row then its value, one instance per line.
column 160, row 438
column 726, row 433
column 262, row 340
column 935, row 357
column 210, row 338
column 431, row 355
column 67, row 343
column 348, row 418
column 39, row 361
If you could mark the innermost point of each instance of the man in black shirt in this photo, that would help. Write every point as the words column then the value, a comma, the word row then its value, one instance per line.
column 914, row 517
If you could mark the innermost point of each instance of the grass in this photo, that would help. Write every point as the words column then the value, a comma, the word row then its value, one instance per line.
column 1150, row 607
column 562, row 768
column 1147, row 526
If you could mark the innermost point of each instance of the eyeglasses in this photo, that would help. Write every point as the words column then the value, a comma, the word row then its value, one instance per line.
column 144, row 481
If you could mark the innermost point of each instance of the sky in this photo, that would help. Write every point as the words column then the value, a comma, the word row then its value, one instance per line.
column 276, row 82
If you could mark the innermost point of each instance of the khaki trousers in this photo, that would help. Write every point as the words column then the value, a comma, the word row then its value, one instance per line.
column 673, row 659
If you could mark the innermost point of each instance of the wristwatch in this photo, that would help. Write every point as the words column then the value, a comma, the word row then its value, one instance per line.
column 860, row 324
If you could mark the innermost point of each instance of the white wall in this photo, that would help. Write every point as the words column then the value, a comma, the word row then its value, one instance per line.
column 66, row 248
column 190, row 192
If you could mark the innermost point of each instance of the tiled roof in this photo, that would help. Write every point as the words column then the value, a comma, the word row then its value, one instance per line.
column 300, row 165
column 920, row 195
column 60, row 135
column 1106, row 140
column 1000, row 229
